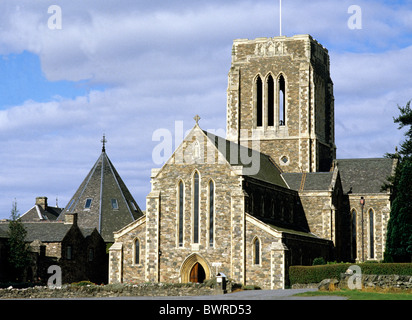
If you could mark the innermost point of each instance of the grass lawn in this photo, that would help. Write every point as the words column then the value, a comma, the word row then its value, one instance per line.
column 361, row 294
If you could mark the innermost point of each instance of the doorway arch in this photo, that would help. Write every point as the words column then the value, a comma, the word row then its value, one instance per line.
column 194, row 269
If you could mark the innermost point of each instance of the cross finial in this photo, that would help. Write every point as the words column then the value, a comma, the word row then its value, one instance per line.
column 104, row 143
column 197, row 118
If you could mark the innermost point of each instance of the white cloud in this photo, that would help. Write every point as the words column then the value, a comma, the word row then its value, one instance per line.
column 162, row 61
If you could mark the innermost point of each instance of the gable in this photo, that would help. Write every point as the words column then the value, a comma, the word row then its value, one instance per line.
column 365, row 175
column 202, row 147
column 139, row 223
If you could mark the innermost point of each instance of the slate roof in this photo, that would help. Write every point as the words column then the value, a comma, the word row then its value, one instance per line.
column 234, row 153
column 101, row 185
column 44, row 231
column 313, row 181
column 37, row 213
column 364, row 175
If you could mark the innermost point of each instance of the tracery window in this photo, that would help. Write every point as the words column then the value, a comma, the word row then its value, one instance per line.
column 181, row 212
column 256, row 251
column 137, row 251
column 259, row 102
column 371, row 235
column 271, row 101
column 196, row 208
column 211, row 212
column 282, row 100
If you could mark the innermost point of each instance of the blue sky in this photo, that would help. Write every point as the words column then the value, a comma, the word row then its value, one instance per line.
column 128, row 68
column 25, row 80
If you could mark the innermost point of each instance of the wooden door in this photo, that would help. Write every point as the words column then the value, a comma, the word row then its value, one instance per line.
column 194, row 274
column 197, row 274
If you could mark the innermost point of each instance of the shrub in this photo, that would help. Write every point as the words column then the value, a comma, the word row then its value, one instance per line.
column 318, row 261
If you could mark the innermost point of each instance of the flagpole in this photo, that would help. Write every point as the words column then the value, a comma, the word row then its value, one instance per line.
column 280, row 17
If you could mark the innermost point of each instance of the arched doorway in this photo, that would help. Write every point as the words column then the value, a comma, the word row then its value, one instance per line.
column 197, row 274
column 194, row 269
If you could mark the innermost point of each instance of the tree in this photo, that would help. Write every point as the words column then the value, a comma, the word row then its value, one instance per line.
column 399, row 236
column 404, row 120
column 399, row 232
column 405, row 152
column 19, row 254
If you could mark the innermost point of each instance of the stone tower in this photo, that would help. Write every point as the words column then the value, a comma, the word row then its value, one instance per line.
column 280, row 92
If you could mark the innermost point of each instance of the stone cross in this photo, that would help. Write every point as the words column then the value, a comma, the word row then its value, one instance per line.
column 197, row 118
column 104, row 143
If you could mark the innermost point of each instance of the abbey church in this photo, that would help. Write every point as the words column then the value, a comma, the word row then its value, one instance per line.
column 271, row 194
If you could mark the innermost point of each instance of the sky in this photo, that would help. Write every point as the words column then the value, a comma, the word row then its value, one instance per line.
column 71, row 71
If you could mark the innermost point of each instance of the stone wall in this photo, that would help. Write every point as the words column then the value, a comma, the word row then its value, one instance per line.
column 374, row 281
column 116, row 290
column 403, row 282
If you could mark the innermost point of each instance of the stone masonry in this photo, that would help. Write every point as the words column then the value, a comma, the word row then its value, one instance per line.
column 306, row 139
column 291, row 203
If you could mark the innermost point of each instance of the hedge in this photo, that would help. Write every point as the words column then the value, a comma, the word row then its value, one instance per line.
column 315, row 274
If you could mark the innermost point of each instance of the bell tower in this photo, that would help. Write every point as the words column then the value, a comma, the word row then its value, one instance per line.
column 280, row 92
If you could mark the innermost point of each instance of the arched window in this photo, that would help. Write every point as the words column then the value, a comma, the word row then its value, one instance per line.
column 196, row 208
column 271, row 101
column 256, row 251
column 262, row 206
column 180, row 198
column 211, row 212
column 354, row 234
column 282, row 101
column 371, row 235
column 136, row 251
column 251, row 205
column 259, row 102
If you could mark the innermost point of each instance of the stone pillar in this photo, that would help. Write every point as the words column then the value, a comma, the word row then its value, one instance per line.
column 116, row 263
column 233, row 103
column 278, row 265
column 152, row 236
column 238, row 249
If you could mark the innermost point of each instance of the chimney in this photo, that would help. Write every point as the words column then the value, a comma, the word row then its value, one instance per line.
column 42, row 202
column 70, row 218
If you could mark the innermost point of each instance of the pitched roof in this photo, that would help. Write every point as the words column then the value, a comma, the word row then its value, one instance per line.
column 45, row 231
column 254, row 163
column 37, row 213
column 365, row 175
column 313, row 181
column 110, row 206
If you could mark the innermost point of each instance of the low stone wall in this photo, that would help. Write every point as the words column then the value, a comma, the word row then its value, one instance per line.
column 380, row 281
column 368, row 281
column 113, row 290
